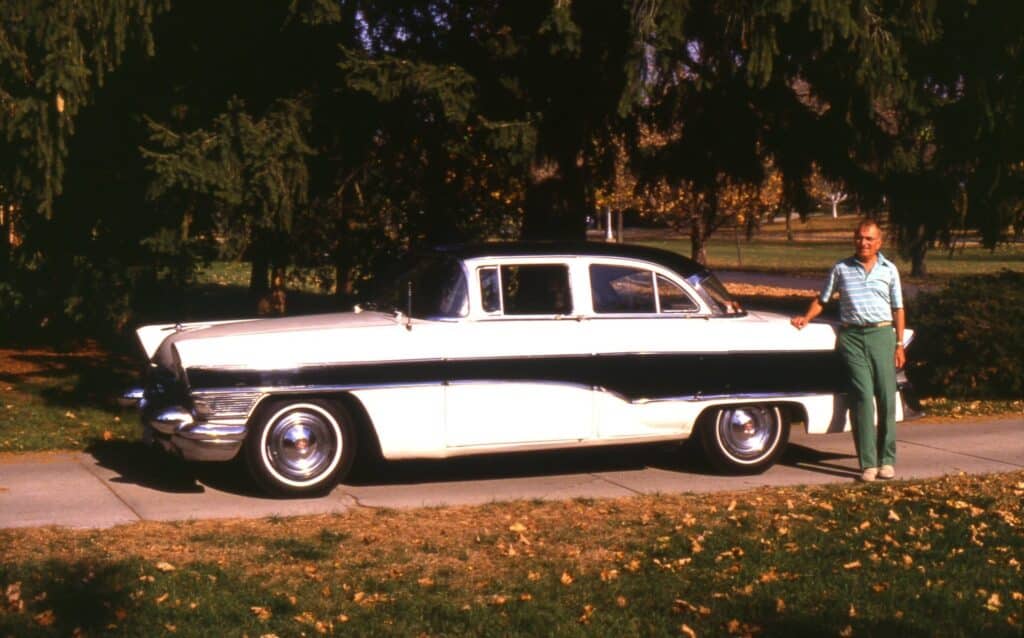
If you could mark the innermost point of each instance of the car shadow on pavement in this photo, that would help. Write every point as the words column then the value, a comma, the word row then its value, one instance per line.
column 670, row 457
column 138, row 464
column 806, row 458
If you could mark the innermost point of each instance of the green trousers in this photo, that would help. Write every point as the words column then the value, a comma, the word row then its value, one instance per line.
column 868, row 355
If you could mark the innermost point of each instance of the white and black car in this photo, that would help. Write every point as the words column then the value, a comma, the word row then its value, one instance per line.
column 495, row 347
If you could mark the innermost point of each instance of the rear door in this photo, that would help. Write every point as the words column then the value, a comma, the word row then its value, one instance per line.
column 518, row 376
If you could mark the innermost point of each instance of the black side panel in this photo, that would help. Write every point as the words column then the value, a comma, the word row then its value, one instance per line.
column 634, row 376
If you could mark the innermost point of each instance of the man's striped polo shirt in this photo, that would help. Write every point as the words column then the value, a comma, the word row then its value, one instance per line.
column 864, row 297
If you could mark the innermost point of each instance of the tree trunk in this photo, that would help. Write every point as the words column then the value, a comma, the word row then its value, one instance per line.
column 918, row 249
column 698, row 247
column 259, row 274
column 789, row 225
column 555, row 206
column 5, row 242
column 259, row 256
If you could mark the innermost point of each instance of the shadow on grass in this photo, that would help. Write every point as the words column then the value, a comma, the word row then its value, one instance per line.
column 91, row 377
column 80, row 598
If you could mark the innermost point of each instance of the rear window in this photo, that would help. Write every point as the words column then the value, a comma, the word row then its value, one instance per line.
column 526, row 289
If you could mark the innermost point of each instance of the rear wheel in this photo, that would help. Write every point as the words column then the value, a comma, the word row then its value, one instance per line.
column 301, row 448
column 744, row 439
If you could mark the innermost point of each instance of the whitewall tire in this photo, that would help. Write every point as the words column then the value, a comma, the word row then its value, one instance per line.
column 744, row 439
column 300, row 448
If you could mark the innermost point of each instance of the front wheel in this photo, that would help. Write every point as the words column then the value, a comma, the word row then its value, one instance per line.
column 744, row 439
column 300, row 448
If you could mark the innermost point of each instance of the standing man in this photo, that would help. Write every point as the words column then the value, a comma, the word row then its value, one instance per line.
column 870, row 343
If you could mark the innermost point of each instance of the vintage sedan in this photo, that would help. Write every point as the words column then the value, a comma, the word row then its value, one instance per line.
column 495, row 347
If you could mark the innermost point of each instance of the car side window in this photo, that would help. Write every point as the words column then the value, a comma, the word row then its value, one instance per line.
column 672, row 298
column 529, row 289
column 622, row 289
column 490, row 289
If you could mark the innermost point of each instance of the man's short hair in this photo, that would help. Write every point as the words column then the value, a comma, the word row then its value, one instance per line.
column 867, row 223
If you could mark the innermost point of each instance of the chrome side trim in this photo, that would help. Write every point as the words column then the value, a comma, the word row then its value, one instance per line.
column 264, row 391
column 213, row 432
column 750, row 396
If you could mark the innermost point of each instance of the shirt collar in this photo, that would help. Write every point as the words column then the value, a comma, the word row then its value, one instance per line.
column 882, row 261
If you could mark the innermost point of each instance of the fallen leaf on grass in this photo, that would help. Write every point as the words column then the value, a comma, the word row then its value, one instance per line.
column 519, row 528
column 162, row 598
column 893, row 516
column 608, row 575
column 13, row 594
column 588, row 611
column 854, row 565
column 846, row 631
column 994, row 603
column 45, row 618
column 164, row 566
column 262, row 613
column 769, row 576
column 566, row 578
column 686, row 631
column 679, row 606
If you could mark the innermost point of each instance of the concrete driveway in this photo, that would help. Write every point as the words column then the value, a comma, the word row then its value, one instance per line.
column 124, row 482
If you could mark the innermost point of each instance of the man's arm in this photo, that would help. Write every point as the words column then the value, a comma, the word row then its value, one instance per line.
column 813, row 311
column 899, row 322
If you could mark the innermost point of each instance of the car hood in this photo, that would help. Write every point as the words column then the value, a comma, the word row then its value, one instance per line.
column 269, row 344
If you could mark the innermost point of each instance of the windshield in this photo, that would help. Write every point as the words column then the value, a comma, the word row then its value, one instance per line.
column 438, row 289
column 715, row 294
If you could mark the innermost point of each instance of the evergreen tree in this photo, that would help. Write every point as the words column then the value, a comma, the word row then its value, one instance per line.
column 53, row 57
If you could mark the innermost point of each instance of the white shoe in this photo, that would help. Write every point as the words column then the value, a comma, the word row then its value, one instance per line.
column 869, row 474
column 886, row 472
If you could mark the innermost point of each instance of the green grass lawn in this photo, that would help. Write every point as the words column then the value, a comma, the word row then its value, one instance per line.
column 52, row 400
column 817, row 257
column 921, row 558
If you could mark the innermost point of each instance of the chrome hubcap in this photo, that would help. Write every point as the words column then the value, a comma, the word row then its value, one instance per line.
column 746, row 433
column 300, row 445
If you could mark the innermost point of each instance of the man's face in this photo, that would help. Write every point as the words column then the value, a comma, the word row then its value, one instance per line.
column 867, row 240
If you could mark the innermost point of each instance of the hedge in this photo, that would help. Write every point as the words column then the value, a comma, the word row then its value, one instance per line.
column 969, row 338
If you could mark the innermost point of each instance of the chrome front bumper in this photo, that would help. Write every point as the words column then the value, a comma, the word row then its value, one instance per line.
column 179, row 431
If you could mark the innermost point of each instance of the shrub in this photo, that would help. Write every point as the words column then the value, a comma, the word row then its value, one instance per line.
column 969, row 339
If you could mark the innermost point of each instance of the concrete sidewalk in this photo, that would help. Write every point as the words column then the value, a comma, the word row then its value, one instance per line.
column 125, row 482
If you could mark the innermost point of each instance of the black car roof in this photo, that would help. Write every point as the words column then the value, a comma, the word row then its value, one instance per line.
column 673, row 261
